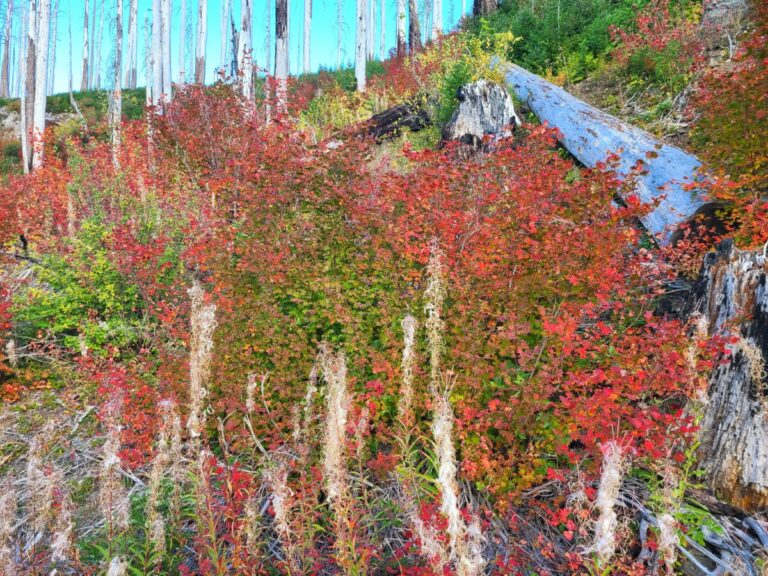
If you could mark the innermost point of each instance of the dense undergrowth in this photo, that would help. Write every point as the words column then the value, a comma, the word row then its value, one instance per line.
column 305, row 353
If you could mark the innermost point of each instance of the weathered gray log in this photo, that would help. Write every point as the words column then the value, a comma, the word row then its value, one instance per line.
column 591, row 134
column 731, row 299
column 485, row 109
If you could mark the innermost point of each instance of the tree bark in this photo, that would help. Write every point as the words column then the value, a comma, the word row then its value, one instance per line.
column 116, row 103
column 41, row 80
column 591, row 135
column 401, row 44
column 437, row 18
column 307, row 67
column 485, row 7
column 383, row 30
column 133, row 46
column 281, row 54
column 86, row 64
column 360, row 45
column 165, row 51
column 226, row 9
column 730, row 299
column 97, row 48
column 245, row 53
column 391, row 122
column 339, row 35
column 156, row 54
column 28, row 85
column 5, row 68
column 414, row 31
column 183, row 43
column 52, row 51
column 202, row 38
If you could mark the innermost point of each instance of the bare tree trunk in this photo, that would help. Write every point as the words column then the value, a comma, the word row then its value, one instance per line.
column 245, row 52
column 485, row 7
column 339, row 33
column 97, row 49
column 383, row 31
column 41, row 79
column 226, row 10
column 28, row 85
column 165, row 51
column 307, row 35
column 731, row 300
column 5, row 68
column 52, row 52
column 156, row 54
column 202, row 38
column 133, row 44
column 402, row 43
column 414, row 31
column 268, row 38
column 281, row 53
column 183, row 43
column 149, row 97
column 370, row 28
column 437, row 18
column 116, row 101
column 463, row 8
column 86, row 63
column 360, row 45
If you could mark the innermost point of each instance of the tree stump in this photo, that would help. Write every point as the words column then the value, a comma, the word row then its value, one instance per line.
column 731, row 299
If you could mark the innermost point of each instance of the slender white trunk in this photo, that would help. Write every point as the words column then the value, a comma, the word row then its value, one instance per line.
column 226, row 10
column 339, row 36
column 97, row 54
column 183, row 43
column 463, row 8
column 370, row 6
column 41, row 79
column 5, row 68
column 133, row 45
column 86, row 64
column 245, row 52
column 383, row 35
column 156, row 54
column 52, row 51
column 26, row 85
column 307, row 34
column 165, row 50
column 281, row 53
column 150, row 91
column 437, row 18
column 268, row 38
column 116, row 104
column 401, row 39
column 360, row 48
column 202, row 38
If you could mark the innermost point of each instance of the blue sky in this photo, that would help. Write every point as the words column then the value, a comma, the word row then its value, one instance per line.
column 324, row 33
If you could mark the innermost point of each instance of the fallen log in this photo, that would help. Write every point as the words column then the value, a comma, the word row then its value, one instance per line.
column 591, row 134
column 730, row 299
column 390, row 123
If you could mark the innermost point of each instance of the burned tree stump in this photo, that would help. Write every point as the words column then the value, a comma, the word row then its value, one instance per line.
column 731, row 299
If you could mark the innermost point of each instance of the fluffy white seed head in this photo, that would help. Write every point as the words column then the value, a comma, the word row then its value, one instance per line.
column 405, row 402
column 604, row 545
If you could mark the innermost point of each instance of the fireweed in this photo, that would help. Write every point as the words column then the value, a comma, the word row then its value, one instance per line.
column 433, row 308
column 114, row 504
column 405, row 402
column 8, row 503
column 39, row 484
column 614, row 464
column 61, row 541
